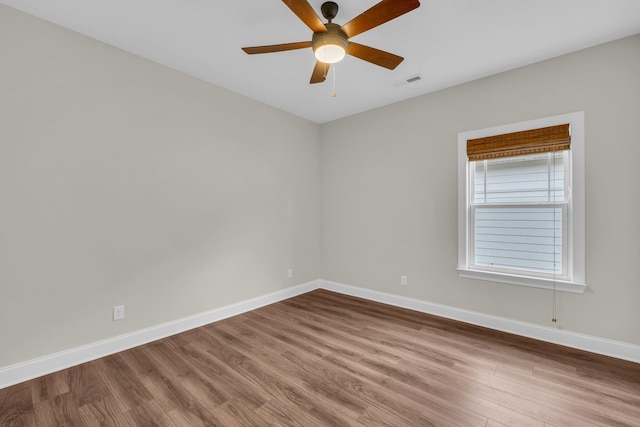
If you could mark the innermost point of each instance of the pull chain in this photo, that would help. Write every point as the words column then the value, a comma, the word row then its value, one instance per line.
column 334, row 80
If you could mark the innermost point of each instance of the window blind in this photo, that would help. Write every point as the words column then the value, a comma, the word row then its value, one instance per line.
column 542, row 140
column 519, row 210
column 522, row 179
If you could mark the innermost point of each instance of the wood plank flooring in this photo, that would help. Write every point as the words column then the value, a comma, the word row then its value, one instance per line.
column 325, row 359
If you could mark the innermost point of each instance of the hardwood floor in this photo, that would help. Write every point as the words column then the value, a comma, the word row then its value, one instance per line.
column 325, row 359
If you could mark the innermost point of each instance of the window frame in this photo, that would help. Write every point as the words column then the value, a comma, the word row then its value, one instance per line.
column 575, row 280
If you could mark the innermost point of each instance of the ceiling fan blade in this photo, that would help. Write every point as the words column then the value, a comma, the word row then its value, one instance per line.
column 305, row 12
column 375, row 56
column 276, row 47
column 382, row 12
column 320, row 72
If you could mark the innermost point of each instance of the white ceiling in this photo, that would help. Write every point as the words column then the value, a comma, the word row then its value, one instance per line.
column 447, row 42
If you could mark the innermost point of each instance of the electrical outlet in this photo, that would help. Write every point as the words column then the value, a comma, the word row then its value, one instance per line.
column 290, row 273
column 403, row 280
column 118, row 312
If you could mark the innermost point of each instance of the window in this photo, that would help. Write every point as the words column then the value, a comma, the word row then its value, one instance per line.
column 521, row 203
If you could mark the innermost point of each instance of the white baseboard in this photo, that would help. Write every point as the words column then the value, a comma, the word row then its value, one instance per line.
column 617, row 349
column 24, row 371
column 30, row 369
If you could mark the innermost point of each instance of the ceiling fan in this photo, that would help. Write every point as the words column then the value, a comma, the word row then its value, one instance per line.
column 330, row 42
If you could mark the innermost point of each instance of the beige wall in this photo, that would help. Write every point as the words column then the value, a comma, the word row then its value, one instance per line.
column 124, row 182
column 389, row 183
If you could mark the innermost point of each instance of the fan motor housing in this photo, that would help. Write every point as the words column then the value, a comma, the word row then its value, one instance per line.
column 333, row 35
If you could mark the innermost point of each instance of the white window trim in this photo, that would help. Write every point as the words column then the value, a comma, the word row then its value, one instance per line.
column 577, row 283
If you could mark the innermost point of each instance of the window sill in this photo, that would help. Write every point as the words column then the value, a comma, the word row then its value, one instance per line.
column 535, row 282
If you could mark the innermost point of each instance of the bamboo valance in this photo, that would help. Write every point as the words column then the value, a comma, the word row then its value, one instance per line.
column 542, row 140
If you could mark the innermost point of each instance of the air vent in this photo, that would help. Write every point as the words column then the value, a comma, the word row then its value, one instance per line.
column 410, row 79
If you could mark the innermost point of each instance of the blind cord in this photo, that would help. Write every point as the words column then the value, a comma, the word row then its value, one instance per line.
column 554, row 309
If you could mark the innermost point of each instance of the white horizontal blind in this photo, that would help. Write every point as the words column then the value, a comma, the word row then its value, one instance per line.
column 519, row 213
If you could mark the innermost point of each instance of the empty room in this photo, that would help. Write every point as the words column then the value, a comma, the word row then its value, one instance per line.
column 310, row 213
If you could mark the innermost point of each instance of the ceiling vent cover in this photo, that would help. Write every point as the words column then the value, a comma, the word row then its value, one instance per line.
column 410, row 79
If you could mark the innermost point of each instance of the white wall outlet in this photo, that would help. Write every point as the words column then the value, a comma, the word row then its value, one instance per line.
column 290, row 273
column 118, row 312
column 403, row 280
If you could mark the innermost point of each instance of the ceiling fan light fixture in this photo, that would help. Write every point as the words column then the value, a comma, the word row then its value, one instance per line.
column 330, row 53
column 330, row 46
